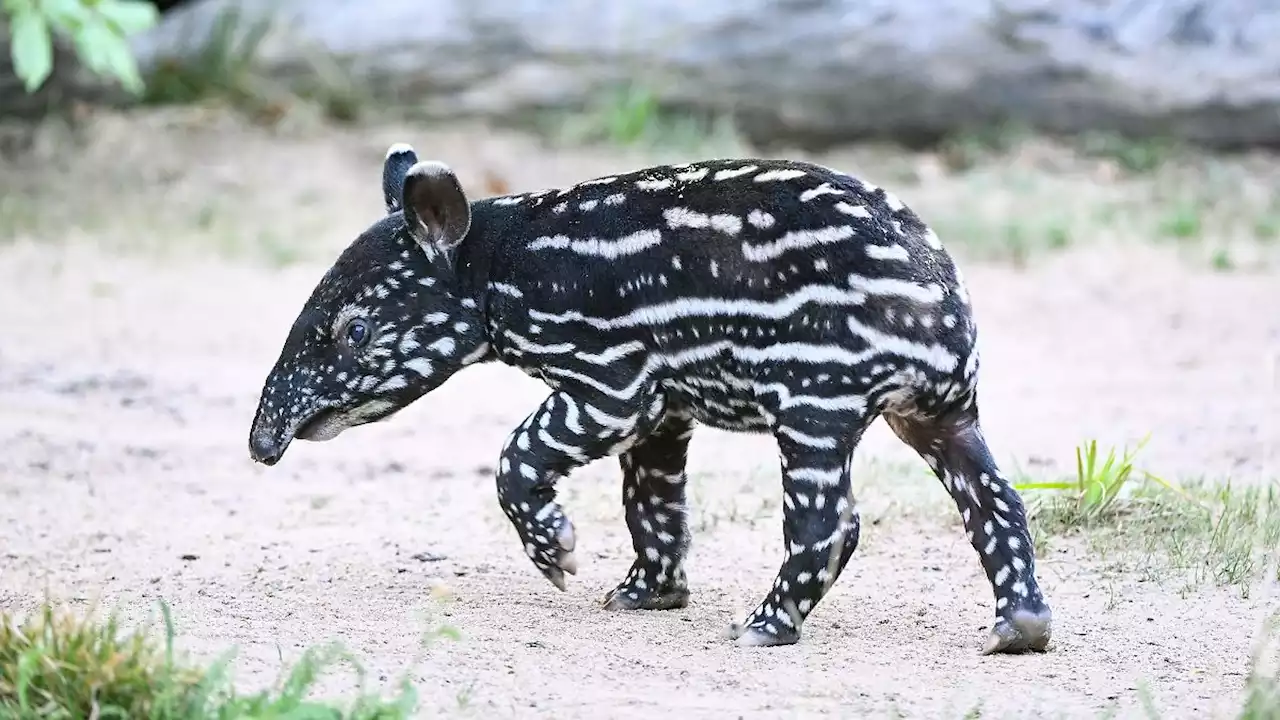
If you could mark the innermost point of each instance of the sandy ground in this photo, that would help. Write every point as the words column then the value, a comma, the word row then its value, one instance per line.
column 128, row 381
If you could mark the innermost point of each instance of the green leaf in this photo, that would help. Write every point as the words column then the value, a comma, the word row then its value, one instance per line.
column 129, row 16
column 1044, row 486
column 1092, row 494
column 13, row 7
column 1175, row 489
column 120, row 63
column 68, row 15
column 106, row 52
column 32, row 50
column 90, row 42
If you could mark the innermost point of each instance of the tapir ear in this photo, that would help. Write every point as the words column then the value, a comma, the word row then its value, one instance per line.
column 435, row 206
column 400, row 157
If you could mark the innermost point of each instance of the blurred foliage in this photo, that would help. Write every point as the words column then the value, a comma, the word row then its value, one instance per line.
column 222, row 64
column 630, row 115
column 224, row 67
column 98, row 31
column 1138, row 155
column 60, row 665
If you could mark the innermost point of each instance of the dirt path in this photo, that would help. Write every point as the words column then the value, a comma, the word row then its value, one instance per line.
column 127, row 386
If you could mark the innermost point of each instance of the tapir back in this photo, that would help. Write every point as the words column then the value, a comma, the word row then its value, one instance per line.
column 748, row 252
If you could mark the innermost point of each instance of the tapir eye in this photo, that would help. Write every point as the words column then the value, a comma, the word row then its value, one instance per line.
column 357, row 333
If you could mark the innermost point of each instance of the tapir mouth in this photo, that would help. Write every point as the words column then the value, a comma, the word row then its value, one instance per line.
column 313, row 428
column 267, row 445
column 322, row 424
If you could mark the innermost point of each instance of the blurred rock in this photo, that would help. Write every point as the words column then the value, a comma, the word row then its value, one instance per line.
column 808, row 72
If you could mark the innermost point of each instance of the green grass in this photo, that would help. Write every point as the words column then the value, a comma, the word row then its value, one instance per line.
column 1262, row 691
column 1267, row 228
column 965, row 150
column 224, row 67
column 1197, row 532
column 1018, row 198
column 1092, row 495
column 1130, row 154
column 630, row 117
column 1182, row 221
column 58, row 665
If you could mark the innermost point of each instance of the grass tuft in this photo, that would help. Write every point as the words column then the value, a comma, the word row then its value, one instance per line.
column 1094, row 495
column 1199, row 532
column 57, row 665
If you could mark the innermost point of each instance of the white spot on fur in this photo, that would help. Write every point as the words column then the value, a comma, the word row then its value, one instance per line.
column 885, row 286
column 1002, row 575
column 795, row 240
column 395, row 382
column 444, row 346
column 632, row 244
column 684, row 217
column 760, row 219
column 776, row 175
column 728, row 174
column 853, row 210
column 692, row 175
column 660, row 184
column 422, row 366
column 888, row 252
column 823, row 189
column 506, row 289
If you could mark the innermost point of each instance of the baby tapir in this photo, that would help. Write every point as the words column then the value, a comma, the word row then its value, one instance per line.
column 759, row 296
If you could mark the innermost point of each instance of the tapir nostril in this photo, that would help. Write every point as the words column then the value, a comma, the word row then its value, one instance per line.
column 264, row 449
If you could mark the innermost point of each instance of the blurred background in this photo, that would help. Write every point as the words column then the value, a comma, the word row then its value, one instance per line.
column 1030, row 126
column 175, row 176
column 1117, row 158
